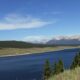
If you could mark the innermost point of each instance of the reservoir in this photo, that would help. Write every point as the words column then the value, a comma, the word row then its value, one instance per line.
column 30, row 67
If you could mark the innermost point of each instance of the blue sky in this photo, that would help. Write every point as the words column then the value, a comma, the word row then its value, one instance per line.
column 29, row 19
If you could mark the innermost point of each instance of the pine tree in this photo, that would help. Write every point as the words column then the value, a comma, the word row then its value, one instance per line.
column 47, row 70
column 76, row 61
column 79, row 59
column 55, row 68
column 60, row 66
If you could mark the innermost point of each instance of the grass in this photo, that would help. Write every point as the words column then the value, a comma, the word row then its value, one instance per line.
column 19, row 51
column 68, row 75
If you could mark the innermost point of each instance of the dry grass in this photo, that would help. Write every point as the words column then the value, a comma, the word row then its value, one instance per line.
column 18, row 51
column 68, row 75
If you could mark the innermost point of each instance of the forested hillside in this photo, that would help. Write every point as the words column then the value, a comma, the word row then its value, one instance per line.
column 20, row 44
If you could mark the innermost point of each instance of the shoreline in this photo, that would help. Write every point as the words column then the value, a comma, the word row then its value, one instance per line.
column 15, row 55
column 22, row 54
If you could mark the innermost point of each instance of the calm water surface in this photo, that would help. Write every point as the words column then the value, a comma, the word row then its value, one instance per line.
column 30, row 67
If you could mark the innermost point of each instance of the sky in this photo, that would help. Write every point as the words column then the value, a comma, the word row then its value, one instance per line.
column 32, row 20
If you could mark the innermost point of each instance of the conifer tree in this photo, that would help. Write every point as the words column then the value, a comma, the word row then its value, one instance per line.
column 60, row 66
column 47, row 70
column 54, row 68
column 76, row 61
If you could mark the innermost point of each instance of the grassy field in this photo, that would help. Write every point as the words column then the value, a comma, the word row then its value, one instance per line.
column 21, row 51
column 68, row 75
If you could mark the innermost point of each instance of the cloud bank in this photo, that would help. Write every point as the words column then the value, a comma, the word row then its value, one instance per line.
column 14, row 21
column 44, row 39
column 67, row 37
column 37, row 39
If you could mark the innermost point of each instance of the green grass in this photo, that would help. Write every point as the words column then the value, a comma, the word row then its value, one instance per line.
column 68, row 75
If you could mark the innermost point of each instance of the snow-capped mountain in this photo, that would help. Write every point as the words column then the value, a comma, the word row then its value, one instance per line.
column 65, row 40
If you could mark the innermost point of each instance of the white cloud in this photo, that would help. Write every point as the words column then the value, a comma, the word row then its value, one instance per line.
column 44, row 39
column 37, row 39
column 67, row 37
column 14, row 21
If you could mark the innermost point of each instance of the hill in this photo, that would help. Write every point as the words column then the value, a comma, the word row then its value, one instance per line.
column 20, row 44
column 20, row 47
column 51, row 43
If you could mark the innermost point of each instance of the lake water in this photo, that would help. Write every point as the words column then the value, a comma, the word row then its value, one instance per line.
column 30, row 67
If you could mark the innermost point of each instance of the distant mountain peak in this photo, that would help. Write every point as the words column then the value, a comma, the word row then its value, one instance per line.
column 65, row 40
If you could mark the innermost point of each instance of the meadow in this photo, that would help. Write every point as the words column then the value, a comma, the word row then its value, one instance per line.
column 22, row 51
column 68, row 75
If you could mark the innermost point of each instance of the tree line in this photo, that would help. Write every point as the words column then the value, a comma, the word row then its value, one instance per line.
column 58, row 67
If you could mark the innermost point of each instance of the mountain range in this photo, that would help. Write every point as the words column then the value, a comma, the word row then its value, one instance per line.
column 61, row 40
column 64, row 42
